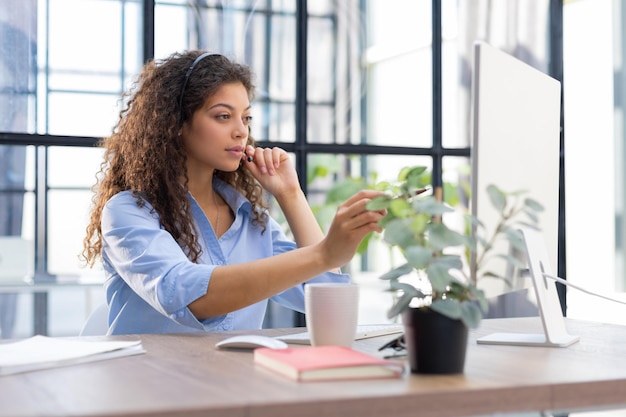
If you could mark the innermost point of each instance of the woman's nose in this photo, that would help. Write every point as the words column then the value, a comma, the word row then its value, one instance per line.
column 241, row 129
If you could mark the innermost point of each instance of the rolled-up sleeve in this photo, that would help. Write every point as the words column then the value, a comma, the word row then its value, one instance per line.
column 150, row 261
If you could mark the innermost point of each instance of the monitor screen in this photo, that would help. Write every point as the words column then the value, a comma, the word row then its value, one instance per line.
column 515, row 146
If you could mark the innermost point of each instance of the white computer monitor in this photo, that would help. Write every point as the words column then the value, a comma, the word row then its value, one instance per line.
column 515, row 146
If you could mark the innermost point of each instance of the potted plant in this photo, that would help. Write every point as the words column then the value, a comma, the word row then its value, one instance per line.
column 437, row 298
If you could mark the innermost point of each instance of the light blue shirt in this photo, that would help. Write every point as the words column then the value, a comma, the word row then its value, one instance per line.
column 150, row 282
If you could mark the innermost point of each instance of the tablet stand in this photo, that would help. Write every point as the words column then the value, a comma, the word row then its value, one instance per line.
column 555, row 334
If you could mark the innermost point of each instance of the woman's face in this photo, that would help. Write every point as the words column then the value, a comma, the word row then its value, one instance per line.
column 217, row 133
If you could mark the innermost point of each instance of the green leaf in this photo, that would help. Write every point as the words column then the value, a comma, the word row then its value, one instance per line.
column 407, row 289
column 397, row 272
column 408, row 294
column 319, row 171
column 439, row 276
column 532, row 216
column 399, row 207
column 380, row 202
column 419, row 223
column 441, row 237
column 533, row 205
column 471, row 314
column 515, row 238
column 410, row 174
column 530, row 226
column 450, row 194
column 479, row 295
column 385, row 221
column 448, row 261
column 381, row 186
column 418, row 256
column 497, row 197
column 397, row 232
column 448, row 307
column 431, row 206
column 345, row 189
column 473, row 221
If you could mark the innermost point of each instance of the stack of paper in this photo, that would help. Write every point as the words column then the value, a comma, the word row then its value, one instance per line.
column 42, row 352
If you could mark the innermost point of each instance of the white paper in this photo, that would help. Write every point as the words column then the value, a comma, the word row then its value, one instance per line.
column 42, row 352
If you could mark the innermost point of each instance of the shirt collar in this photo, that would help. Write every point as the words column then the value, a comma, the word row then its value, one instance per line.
column 233, row 198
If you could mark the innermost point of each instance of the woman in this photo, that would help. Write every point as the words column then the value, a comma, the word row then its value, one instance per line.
column 179, row 218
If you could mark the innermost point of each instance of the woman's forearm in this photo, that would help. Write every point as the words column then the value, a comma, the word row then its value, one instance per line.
column 233, row 287
column 302, row 222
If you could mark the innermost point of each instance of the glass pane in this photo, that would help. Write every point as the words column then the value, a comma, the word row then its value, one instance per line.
column 455, row 77
column 398, row 65
column 85, row 163
column 81, row 114
column 170, row 29
column 273, row 122
column 322, row 56
column 133, row 40
column 18, row 34
column 98, row 67
column 69, row 80
column 16, row 208
column 321, row 7
column 594, row 157
column 518, row 28
column 68, row 214
column 282, row 65
column 337, row 74
column 321, row 81
column 321, row 124
column 95, row 37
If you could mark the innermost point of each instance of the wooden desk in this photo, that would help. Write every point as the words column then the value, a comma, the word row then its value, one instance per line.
column 186, row 375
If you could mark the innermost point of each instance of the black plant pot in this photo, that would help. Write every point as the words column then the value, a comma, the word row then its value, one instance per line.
column 435, row 343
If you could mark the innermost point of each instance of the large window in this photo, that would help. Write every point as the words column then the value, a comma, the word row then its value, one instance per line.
column 350, row 88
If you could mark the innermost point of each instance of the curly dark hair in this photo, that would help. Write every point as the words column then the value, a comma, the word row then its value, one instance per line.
column 145, row 153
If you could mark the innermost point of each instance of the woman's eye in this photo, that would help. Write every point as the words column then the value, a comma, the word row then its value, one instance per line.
column 223, row 116
column 247, row 119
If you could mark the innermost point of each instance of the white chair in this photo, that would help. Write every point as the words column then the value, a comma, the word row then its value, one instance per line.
column 97, row 324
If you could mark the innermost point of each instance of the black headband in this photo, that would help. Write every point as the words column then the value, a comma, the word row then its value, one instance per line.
column 182, row 91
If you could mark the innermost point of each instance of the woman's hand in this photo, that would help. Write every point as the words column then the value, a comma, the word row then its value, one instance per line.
column 274, row 170
column 351, row 224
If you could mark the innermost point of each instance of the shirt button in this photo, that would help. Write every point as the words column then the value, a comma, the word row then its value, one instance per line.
column 180, row 314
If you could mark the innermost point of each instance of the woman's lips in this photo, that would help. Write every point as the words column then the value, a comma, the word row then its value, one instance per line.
column 236, row 151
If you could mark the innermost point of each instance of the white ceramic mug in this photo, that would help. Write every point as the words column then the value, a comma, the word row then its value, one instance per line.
column 332, row 311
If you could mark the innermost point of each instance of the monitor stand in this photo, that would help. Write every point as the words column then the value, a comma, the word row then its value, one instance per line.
column 555, row 334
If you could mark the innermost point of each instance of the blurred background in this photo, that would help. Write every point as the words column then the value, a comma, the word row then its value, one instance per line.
column 353, row 89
